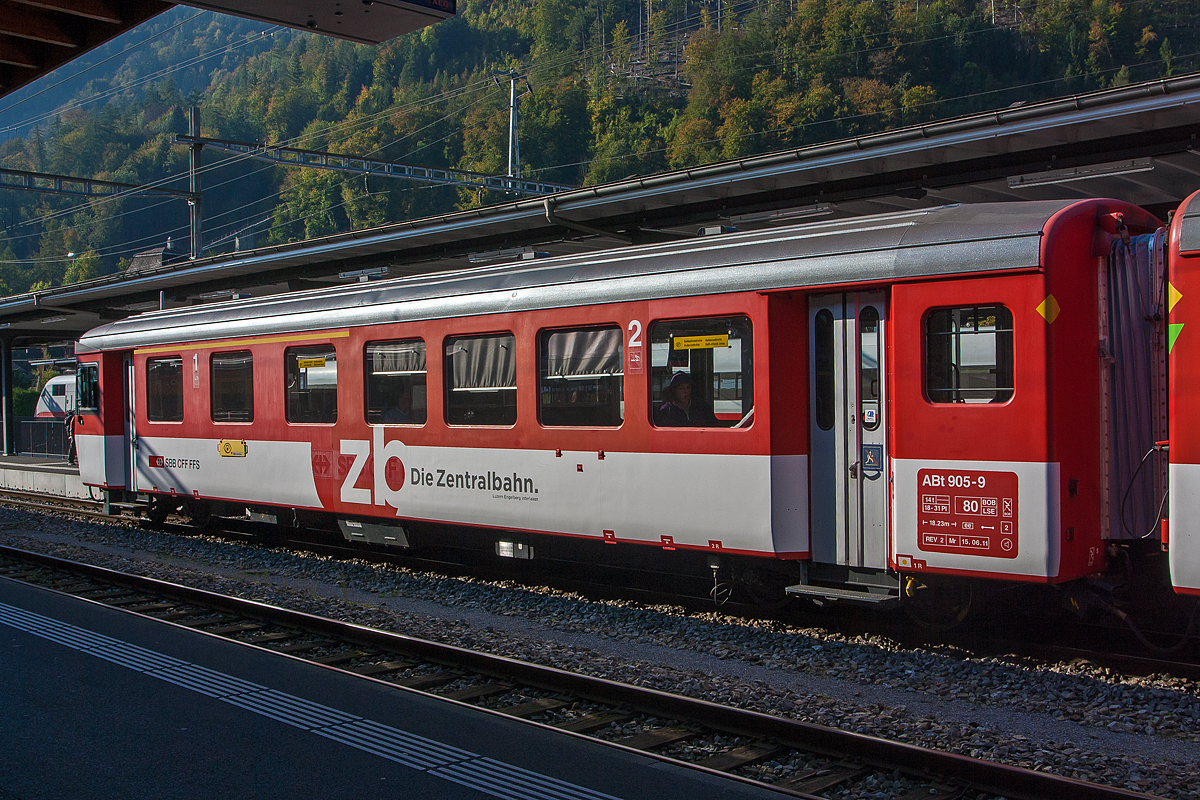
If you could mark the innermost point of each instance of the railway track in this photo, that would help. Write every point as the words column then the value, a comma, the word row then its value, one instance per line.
column 1060, row 650
column 699, row 734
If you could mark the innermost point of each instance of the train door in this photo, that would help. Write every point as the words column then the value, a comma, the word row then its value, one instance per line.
column 130, row 427
column 848, row 430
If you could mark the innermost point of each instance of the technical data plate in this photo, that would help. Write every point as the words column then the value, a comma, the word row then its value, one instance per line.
column 368, row 23
column 967, row 512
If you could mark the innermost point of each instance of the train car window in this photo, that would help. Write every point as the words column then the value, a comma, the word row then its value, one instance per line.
column 825, row 388
column 395, row 376
column 87, row 388
column 481, row 380
column 164, row 389
column 581, row 378
column 232, row 383
column 702, row 372
column 969, row 355
column 868, row 369
column 311, row 384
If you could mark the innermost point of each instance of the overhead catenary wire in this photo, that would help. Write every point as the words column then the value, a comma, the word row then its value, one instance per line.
column 348, row 127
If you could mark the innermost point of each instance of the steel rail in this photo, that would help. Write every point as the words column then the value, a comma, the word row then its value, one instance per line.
column 1010, row 781
column 1127, row 663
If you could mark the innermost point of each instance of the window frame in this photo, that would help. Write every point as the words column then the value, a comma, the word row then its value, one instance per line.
column 149, row 405
column 747, row 414
column 925, row 359
column 368, row 371
column 79, row 384
column 448, row 389
column 212, row 387
column 543, row 338
column 327, row 347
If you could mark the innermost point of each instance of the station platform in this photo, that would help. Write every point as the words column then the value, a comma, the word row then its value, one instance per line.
column 103, row 703
column 53, row 476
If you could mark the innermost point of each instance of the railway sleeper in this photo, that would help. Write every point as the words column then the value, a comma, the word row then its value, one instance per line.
column 534, row 707
column 212, row 619
column 239, row 627
column 277, row 636
column 429, row 680
column 478, row 691
column 819, row 780
column 74, row 586
column 129, row 601
column 936, row 791
column 149, row 606
column 657, row 737
column 594, row 721
column 333, row 659
column 107, row 594
column 742, row 756
column 300, row 647
column 381, row 668
column 179, row 616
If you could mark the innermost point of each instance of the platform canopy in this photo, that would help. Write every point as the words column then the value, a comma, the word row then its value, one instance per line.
column 1133, row 143
column 38, row 36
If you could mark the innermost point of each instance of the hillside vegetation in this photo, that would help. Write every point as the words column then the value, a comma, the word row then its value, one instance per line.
column 614, row 89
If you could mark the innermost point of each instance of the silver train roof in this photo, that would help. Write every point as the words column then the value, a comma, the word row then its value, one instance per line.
column 912, row 244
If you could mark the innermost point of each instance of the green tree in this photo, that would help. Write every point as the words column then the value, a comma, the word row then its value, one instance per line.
column 82, row 267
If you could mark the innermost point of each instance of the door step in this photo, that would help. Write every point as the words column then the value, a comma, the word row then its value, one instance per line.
column 831, row 593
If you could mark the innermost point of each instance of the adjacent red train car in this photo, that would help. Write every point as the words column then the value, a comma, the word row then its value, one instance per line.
column 1182, row 291
column 851, row 405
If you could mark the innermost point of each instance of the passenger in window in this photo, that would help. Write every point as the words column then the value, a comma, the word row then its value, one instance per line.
column 399, row 411
column 681, row 410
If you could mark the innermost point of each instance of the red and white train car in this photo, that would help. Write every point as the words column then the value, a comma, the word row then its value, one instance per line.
column 844, row 403
column 1183, row 292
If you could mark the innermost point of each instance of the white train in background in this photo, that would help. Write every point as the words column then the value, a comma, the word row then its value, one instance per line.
column 57, row 398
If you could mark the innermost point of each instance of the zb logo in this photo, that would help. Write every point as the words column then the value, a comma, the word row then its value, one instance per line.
column 385, row 491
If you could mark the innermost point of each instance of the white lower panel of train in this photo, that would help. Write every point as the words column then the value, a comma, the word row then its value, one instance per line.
column 742, row 503
column 1183, row 532
column 102, row 460
column 991, row 517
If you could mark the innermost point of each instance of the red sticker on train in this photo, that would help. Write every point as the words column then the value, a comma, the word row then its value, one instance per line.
column 967, row 511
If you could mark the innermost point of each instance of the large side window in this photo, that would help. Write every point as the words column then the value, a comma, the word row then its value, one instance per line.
column 702, row 372
column 164, row 389
column 969, row 355
column 87, row 388
column 232, row 382
column 581, row 377
column 395, row 377
column 481, row 380
column 311, row 384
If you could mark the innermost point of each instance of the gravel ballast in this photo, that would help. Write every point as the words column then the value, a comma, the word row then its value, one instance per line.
column 1073, row 719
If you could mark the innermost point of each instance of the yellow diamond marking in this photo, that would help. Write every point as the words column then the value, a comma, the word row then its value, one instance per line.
column 1049, row 309
column 1173, row 296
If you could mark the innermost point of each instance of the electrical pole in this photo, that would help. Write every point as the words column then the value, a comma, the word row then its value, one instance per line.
column 514, row 145
column 194, row 209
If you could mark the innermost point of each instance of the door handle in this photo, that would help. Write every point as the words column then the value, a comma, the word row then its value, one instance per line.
column 854, row 471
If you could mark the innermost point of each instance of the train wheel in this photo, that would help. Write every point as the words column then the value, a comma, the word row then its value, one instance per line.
column 199, row 513
column 938, row 605
column 766, row 588
column 159, row 508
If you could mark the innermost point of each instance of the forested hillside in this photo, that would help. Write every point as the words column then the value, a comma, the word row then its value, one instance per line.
column 614, row 88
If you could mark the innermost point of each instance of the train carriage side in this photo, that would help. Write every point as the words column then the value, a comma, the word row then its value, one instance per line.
column 103, row 440
column 1004, row 466
column 914, row 393
column 538, row 422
